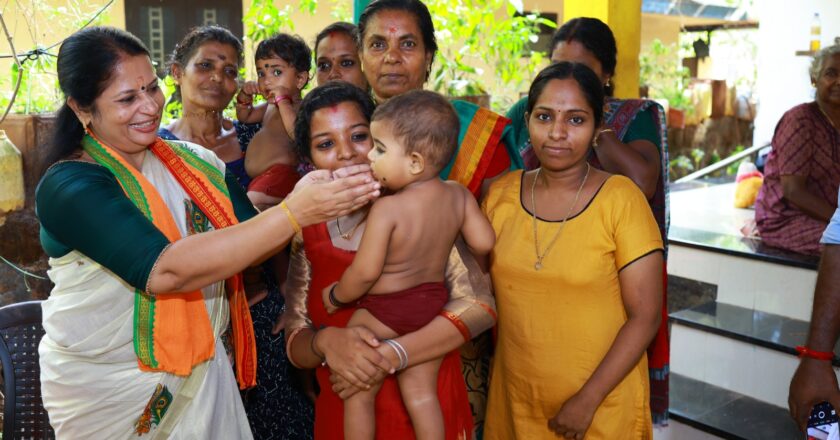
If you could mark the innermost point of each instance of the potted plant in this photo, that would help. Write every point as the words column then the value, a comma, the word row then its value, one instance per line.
column 664, row 78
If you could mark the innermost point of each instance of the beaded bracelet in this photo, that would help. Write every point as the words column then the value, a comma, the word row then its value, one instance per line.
column 814, row 354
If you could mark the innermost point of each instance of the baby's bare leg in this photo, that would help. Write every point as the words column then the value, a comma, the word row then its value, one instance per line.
column 359, row 411
column 418, row 386
column 359, row 415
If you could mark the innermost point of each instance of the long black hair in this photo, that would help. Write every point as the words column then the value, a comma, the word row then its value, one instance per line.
column 413, row 7
column 587, row 80
column 596, row 37
column 86, row 63
column 327, row 95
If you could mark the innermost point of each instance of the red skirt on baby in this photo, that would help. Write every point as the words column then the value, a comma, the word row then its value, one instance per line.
column 277, row 181
column 408, row 310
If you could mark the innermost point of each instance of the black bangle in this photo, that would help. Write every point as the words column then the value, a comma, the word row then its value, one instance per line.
column 334, row 301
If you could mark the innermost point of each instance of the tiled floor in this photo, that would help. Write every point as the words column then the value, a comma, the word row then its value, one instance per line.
column 709, row 209
column 679, row 431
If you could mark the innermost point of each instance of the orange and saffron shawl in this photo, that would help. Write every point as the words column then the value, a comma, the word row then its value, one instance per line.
column 172, row 331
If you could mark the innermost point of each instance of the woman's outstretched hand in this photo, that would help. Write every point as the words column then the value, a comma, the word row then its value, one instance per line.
column 321, row 195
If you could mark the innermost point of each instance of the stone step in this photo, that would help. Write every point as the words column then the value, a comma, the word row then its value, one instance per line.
column 768, row 330
column 743, row 351
column 761, row 279
column 727, row 414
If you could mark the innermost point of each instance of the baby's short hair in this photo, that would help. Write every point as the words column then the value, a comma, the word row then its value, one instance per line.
column 426, row 122
column 290, row 48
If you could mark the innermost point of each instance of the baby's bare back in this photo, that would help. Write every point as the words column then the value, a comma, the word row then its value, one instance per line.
column 428, row 219
column 271, row 145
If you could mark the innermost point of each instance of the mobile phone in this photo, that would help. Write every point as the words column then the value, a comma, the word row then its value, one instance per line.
column 823, row 423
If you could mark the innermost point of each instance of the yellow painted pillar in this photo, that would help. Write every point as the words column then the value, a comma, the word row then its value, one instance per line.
column 624, row 17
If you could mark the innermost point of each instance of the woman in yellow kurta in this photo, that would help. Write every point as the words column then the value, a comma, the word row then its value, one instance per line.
column 577, row 269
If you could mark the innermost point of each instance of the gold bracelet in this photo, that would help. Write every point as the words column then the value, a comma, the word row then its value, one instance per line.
column 295, row 224
column 595, row 139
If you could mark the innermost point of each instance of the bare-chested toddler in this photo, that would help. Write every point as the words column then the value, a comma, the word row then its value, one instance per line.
column 397, row 276
column 283, row 63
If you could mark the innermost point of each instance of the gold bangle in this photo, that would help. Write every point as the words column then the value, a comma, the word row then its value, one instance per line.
column 295, row 224
column 595, row 139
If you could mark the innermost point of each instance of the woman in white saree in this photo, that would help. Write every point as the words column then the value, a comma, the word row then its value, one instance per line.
column 147, row 328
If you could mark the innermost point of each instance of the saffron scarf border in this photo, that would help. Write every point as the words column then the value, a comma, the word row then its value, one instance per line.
column 205, row 185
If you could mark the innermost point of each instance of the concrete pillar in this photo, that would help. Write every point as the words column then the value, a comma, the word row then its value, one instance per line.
column 624, row 17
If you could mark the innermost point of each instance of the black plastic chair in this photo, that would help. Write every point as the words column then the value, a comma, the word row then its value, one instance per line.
column 24, row 416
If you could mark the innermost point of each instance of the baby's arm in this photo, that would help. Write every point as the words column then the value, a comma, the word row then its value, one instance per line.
column 477, row 231
column 369, row 260
column 245, row 110
column 283, row 101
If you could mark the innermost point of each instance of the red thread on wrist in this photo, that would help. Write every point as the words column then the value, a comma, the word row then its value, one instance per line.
column 813, row 354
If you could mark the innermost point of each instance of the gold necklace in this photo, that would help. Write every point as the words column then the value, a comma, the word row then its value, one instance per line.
column 348, row 235
column 538, row 264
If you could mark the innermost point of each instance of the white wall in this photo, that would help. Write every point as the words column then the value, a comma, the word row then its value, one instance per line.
column 783, row 80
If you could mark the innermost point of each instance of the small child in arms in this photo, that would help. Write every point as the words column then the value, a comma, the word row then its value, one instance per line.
column 398, row 271
column 283, row 63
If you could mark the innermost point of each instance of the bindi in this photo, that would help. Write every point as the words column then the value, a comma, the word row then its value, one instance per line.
column 392, row 30
column 333, row 108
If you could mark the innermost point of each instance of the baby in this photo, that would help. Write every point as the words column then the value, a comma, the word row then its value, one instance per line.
column 398, row 271
column 283, row 63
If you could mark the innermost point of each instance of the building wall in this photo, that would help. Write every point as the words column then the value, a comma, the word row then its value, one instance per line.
column 664, row 28
column 783, row 79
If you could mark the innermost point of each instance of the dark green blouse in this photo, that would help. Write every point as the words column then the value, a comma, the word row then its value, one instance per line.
column 82, row 207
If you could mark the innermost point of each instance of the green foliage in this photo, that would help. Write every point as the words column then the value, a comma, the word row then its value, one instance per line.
column 476, row 32
column 659, row 69
column 264, row 19
column 697, row 156
column 342, row 10
column 464, row 30
column 680, row 166
column 39, row 91
column 172, row 109
column 732, row 169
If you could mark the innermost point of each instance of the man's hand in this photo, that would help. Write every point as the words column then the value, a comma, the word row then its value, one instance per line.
column 813, row 382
